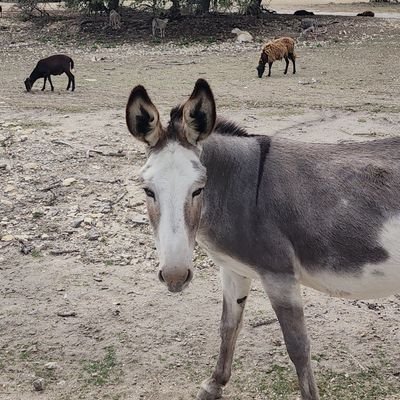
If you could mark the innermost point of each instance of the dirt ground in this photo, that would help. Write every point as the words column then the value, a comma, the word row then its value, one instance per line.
column 81, row 306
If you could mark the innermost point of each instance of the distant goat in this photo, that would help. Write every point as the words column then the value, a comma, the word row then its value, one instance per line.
column 242, row 36
column 1, row 11
column 308, row 25
column 366, row 14
column 159, row 24
column 115, row 20
column 53, row 65
column 303, row 12
column 276, row 50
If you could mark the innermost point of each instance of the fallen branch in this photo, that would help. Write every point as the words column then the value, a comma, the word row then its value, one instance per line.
column 120, row 153
column 3, row 141
column 179, row 63
column 56, row 141
column 355, row 360
column 265, row 322
column 113, row 203
column 106, row 181
column 60, row 252
column 66, row 314
column 6, row 245
column 52, row 186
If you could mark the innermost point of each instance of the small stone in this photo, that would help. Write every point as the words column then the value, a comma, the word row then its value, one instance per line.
column 38, row 384
column 51, row 365
column 9, row 188
column 30, row 166
column 77, row 222
column 93, row 235
column 44, row 236
column 68, row 181
column 88, row 220
column 139, row 219
column 7, row 203
column 7, row 238
column 32, row 349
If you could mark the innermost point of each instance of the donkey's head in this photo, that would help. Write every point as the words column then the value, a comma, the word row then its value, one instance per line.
column 173, row 177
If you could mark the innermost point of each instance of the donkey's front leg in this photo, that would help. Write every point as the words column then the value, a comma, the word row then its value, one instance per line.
column 284, row 294
column 235, row 290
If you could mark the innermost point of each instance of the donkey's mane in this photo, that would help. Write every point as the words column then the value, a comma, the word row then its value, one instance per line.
column 229, row 128
column 222, row 125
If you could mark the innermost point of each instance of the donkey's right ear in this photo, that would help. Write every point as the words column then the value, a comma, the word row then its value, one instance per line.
column 199, row 113
column 142, row 117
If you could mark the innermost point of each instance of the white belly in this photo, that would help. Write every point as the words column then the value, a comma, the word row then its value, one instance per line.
column 373, row 281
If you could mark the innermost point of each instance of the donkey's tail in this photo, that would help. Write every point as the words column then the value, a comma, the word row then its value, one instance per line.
column 72, row 63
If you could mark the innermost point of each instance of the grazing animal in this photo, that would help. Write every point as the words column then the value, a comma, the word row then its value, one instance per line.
column 288, row 213
column 160, row 24
column 115, row 20
column 276, row 50
column 308, row 25
column 1, row 11
column 242, row 36
column 366, row 14
column 303, row 13
column 53, row 65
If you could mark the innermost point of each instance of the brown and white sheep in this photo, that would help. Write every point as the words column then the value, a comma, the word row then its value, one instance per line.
column 277, row 50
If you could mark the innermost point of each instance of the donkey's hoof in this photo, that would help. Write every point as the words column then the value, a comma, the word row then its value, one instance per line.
column 210, row 390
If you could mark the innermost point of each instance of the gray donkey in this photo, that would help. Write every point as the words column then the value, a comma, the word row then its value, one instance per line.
column 323, row 215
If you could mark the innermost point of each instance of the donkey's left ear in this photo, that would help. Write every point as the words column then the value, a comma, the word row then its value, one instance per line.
column 199, row 113
column 142, row 117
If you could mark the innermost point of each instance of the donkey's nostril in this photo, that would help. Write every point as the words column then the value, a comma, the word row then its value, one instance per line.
column 189, row 276
column 160, row 277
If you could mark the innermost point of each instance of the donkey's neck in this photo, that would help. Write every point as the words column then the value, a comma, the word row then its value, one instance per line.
column 235, row 166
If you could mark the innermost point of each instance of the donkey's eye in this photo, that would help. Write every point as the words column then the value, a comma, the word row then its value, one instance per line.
column 149, row 193
column 197, row 192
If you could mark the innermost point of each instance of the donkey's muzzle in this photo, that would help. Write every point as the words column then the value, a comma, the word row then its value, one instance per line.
column 176, row 280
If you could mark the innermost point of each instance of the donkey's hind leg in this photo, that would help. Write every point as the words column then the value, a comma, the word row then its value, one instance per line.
column 235, row 290
column 284, row 294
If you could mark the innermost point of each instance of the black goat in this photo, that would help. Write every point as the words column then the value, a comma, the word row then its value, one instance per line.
column 53, row 65
column 1, row 11
column 366, row 14
column 303, row 12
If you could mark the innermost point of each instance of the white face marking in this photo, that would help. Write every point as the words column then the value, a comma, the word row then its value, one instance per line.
column 375, row 280
column 173, row 174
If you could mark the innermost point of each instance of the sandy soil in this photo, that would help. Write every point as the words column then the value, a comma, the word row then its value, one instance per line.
column 81, row 306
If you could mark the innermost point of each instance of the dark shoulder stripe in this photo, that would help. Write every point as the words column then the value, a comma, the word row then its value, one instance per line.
column 264, row 143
